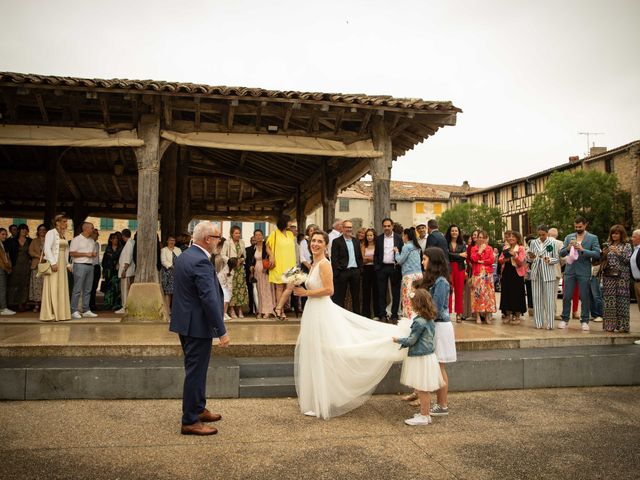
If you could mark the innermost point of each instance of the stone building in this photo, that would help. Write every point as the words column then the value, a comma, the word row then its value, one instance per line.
column 411, row 203
column 515, row 197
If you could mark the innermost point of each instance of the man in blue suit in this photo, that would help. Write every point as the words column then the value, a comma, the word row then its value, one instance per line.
column 197, row 316
column 588, row 248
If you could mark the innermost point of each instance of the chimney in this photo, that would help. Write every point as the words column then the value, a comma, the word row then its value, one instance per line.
column 574, row 159
column 465, row 185
column 597, row 151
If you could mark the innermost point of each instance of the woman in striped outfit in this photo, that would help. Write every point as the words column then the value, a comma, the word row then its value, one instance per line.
column 543, row 255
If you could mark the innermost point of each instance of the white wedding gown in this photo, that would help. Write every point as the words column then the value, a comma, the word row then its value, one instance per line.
column 341, row 357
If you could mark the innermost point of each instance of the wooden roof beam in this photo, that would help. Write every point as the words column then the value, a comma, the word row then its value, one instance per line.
column 43, row 110
column 197, row 113
column 259, row 108
column 68, row 181
column 365, row 122
column 314, row 124
column 10, row 101
column 168, row 112
column 288, row 110
column 104, row 107
column 231, row 112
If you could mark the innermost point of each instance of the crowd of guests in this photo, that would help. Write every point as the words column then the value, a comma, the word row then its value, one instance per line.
column 373, row 272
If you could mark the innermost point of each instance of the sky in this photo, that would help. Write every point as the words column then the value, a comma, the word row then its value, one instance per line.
column 528, row 75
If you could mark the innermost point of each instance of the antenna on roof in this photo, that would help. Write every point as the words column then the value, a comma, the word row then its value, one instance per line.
column 588, row 134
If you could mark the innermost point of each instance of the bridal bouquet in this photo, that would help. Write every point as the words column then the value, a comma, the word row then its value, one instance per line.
column 294, row 275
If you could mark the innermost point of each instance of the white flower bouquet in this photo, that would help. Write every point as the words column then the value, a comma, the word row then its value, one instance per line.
column 294, row 275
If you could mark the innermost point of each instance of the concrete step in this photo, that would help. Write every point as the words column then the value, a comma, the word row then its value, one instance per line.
column 252, row 367
column 40, row 378
column 264, row 387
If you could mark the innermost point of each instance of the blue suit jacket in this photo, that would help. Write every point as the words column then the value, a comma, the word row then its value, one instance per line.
column 198, row 307
column 582, row 266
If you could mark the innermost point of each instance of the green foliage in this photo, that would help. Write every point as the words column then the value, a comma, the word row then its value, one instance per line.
column 469, row 216
column 595, row 195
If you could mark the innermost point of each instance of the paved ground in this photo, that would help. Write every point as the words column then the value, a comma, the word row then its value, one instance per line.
column 535, row 434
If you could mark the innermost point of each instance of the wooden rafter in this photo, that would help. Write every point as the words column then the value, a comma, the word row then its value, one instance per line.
column 288, row 110
column 197, row 113
column 43, row 110
column 233, row 104
column 104, row 106
column 168, row 112
column 365, row 122
column 117, row 188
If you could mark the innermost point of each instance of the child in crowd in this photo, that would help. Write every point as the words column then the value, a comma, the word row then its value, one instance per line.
column 420, row 368
column 225, row 277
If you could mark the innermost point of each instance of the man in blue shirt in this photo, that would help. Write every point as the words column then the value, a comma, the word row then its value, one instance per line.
column 346, row 261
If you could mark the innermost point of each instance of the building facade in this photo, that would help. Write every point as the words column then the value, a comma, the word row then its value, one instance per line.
column 515, row 198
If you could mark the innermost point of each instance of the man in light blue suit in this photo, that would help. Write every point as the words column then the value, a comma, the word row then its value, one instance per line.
column 197, row 313
column 588, row 248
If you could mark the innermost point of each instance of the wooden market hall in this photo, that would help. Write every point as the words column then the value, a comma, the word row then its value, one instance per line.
column 167, row 152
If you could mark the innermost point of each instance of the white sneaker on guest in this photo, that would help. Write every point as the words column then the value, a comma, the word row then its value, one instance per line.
column 418, row 419
column 122, row 311
column 597, row 319
column 585, row 327
column 6, row 311
column 89, row 314
column 562, row 325
column 76, row 315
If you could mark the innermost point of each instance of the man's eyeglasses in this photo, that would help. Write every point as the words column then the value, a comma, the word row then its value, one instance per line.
column 214, row 236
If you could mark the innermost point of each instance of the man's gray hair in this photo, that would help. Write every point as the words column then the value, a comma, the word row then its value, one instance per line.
column 203, row 229
column 337, row 222
column 636, row 232
column 553, row 232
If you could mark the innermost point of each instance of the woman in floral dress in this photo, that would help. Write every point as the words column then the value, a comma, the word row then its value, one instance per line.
column 616, row 276
column 483, row 296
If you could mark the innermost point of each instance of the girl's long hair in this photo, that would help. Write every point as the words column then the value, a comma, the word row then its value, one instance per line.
column 437, row 267
column 413, row 238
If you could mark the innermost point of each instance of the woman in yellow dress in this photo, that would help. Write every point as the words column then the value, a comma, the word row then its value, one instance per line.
column 281, row 247
column 55, row 292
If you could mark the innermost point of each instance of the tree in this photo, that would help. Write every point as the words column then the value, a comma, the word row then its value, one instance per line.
column 470, row 217
column 595, row 195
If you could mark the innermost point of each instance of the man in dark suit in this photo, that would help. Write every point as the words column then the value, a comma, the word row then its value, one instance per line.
column 249, row 255
column 197, row 316
column 436, row 239
column 384, row 264
column 346, row 261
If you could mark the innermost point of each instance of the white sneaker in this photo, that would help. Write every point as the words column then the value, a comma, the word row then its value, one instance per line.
column 89, row 314
column 310, row 413
column 585, row 327
column 562, row 324
column 122, row 311
column 227, row 317
column 6, row 311
column 597, row 319
column 76, row 315
column 637, row 342
column 418, row 420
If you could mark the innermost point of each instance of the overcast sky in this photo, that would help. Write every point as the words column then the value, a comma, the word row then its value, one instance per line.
column 529, row 75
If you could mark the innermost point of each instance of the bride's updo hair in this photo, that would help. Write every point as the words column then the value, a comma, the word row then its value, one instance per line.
column 323, row 234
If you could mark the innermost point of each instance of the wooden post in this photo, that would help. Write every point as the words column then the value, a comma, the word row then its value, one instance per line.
column 148, row 157
column 301, row 218
column 329, row 195
column 380, row 169
column 51, row 202
column 182, row 208
column 168, row 201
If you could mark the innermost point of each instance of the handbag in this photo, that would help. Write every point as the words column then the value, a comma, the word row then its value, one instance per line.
column 266, row 264
column 44, row 266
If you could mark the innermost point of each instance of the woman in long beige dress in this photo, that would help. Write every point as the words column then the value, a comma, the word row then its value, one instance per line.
column 55, row 292
column 37, row 283
column 266, row 295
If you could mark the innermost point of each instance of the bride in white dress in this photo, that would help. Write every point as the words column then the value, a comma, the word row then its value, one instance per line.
column 340, row 357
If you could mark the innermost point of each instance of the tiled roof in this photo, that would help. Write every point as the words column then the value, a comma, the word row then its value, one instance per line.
column 154, row 86
column 400, row 190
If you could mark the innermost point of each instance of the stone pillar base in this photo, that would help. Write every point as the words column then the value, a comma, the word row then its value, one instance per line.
column 145, row 303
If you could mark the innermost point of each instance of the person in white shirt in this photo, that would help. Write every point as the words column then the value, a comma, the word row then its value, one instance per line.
column 126, row 268
column 95, row 261
column 335, row 233
column 553, row 234
column 421, row 230
column 82, row 251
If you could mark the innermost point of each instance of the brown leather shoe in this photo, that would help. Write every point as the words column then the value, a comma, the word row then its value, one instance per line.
column 207, row 416
column 198, row 428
